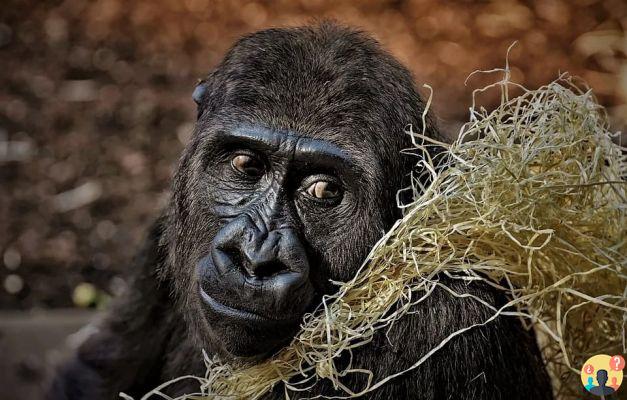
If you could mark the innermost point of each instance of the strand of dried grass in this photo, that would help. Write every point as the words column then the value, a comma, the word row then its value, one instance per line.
column 531, row 194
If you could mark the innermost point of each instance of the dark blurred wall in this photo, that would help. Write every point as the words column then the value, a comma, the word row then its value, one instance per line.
column 95, row 105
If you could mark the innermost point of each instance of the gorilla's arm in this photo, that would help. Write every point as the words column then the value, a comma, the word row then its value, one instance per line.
column 497, row 361
column 128, row 344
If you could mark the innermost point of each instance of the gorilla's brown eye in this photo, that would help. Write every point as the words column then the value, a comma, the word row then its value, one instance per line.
column 248, row 165
column 324, row 190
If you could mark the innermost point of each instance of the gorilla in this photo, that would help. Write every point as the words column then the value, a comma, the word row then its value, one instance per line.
column 290, row 178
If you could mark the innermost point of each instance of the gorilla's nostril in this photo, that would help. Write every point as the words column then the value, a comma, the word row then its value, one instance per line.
column 266, row 270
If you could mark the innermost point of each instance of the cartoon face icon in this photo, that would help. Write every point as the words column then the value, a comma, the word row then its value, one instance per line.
column 602, row 374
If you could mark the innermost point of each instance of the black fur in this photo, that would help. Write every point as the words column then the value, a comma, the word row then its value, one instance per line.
column 307, row 89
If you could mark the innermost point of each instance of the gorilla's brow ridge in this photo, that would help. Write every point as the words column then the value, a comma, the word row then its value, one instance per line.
column 310, row 150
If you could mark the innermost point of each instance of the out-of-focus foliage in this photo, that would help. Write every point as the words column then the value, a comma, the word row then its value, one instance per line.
column 95, row 104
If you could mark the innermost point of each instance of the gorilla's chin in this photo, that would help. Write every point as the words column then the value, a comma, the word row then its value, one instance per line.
column 246, row 334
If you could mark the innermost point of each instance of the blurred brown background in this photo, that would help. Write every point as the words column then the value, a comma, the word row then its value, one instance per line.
column 95, row 106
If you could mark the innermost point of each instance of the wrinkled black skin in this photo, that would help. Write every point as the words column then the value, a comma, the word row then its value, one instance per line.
column 317, row 101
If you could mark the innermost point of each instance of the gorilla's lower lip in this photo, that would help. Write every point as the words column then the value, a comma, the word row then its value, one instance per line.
column 236, row 313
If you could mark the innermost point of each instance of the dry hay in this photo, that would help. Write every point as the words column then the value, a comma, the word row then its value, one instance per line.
column 530, row 198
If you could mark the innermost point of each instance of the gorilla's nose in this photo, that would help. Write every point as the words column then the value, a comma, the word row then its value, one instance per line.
column 260, row 253
column 279, row 251
column 257, row 270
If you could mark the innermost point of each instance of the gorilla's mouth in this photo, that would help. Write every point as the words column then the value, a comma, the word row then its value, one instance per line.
column 251, row 317
column 246, row 332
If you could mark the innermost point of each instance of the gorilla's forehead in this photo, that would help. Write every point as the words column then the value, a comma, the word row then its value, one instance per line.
column 328, row 80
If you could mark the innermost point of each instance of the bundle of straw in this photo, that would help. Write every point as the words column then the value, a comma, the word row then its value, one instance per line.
column 531, row 194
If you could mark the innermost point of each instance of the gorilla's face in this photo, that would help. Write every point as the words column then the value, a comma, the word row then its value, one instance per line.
column 282, row 214
column 269, row 189
column 289, row 180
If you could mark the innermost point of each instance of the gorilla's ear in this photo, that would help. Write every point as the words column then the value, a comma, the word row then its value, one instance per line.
column 199, row 91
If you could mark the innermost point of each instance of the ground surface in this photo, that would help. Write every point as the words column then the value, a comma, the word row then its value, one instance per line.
column 31, row 344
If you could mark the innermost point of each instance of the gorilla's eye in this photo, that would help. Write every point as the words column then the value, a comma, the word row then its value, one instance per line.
column 248, row 165
column 324, row 190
